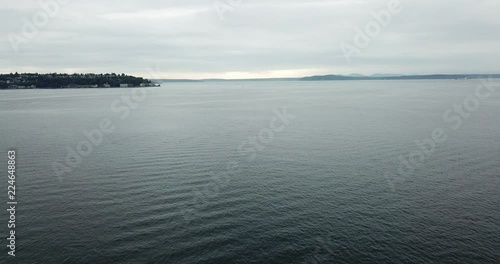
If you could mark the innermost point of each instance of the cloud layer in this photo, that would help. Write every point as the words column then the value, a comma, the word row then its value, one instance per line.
column 256, row 38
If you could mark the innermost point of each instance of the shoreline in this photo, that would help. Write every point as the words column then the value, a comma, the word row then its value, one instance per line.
column 77, row 88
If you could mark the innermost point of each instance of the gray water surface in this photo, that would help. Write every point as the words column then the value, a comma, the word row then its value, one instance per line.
column 196, row 174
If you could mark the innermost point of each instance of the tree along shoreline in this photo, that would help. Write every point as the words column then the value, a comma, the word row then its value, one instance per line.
column 61, row 81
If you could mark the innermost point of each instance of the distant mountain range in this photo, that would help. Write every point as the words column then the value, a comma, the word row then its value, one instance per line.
column 400, row 77
column 352, row 77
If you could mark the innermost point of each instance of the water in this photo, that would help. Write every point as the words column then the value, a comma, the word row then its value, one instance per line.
column 169, row 184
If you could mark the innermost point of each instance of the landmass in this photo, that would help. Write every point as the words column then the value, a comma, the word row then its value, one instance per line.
column 77, row 80
column 352, row 77
column 400, row 77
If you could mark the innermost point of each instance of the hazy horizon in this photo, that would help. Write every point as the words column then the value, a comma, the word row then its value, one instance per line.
column 373, row 75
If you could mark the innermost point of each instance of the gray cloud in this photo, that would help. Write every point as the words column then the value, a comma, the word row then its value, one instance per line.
column 186, row 39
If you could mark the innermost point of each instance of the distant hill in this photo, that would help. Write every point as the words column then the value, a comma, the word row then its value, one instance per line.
column 356, row 75
column 403, row 77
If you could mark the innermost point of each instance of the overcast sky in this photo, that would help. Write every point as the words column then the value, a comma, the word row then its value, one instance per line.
column 258, row 38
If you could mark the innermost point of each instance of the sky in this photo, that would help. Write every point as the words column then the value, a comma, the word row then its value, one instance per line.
column 250, row 38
